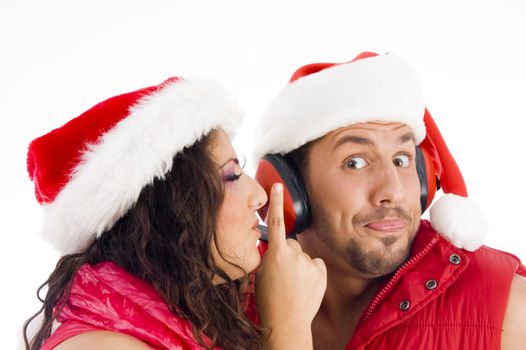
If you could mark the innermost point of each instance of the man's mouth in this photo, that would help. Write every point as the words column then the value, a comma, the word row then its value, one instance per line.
column 387, row 225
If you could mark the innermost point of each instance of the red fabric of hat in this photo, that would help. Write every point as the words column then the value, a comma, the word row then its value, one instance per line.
column 89, row 172
column 321, row 97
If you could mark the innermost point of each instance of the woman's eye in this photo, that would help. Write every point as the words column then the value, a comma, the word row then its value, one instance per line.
column 356, row 163
column 233, row 177
column 401, row 161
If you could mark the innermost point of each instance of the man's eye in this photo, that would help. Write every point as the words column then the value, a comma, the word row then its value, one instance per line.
column 401, row 161
column 356, row 163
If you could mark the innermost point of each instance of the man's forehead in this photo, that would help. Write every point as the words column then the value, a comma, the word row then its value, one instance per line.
column 367, row 133
column 372, row 126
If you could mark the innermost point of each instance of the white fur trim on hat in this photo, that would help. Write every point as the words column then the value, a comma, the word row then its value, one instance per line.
column 460, row 220
column 140, row 148
column 380, row 88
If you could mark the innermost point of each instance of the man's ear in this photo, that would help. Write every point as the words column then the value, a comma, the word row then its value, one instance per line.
column 274, row 168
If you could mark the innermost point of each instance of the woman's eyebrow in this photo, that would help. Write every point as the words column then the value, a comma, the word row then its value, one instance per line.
column 235, row 160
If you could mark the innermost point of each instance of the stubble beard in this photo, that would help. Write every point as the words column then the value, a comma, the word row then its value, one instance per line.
column 373, row 263
column 367, row 261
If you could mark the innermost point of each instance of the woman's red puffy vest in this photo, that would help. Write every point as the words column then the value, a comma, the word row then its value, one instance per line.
column 106, row 297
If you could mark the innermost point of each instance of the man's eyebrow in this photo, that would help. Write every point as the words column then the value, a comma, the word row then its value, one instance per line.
column 368, row 142
column 407, row 137
column 354, row 139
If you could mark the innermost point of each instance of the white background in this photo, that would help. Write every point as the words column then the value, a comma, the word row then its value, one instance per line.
column 58, row 58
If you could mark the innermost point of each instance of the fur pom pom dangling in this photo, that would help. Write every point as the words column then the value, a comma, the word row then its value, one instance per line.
column 459, row 220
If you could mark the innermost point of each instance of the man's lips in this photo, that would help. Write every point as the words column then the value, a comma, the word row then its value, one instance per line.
column 388, row 225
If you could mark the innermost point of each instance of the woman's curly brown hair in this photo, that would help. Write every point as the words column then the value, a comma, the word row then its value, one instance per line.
column 166, row 240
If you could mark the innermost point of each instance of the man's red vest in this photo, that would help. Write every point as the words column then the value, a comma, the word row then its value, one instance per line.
column 441, row 298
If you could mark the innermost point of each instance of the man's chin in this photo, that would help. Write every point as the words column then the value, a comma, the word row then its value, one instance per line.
column 377, row 263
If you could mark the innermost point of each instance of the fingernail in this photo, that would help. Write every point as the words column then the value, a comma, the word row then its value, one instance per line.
column 278, row 188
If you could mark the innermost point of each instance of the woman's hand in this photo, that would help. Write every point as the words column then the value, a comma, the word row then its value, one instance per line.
column 289, row 284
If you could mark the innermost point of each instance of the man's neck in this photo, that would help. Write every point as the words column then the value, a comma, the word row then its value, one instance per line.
column 347, row 292
column 348, row 295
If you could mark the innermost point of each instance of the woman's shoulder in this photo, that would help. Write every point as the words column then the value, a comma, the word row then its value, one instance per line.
column 102, row 340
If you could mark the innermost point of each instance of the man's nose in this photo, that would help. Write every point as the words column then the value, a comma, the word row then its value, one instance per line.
column 388, row 190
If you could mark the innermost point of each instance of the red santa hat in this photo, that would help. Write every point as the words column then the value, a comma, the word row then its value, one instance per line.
column 89, row 172
column 322, row 97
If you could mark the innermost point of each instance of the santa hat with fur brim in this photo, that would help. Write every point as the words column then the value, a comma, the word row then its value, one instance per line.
column 322, row 97
column 89, row 172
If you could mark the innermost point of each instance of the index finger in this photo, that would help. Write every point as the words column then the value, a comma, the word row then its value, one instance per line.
column 275, row 218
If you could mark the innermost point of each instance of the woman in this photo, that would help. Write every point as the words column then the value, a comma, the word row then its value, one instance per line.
column 148, row 205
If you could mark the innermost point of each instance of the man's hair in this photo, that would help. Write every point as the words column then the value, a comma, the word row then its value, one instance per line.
column 300, row 158
column 166, row 239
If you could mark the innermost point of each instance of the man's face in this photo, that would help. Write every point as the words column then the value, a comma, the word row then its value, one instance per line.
column 364, row 191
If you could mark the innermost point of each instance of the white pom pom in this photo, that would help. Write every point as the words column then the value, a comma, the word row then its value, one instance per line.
column 460, row 220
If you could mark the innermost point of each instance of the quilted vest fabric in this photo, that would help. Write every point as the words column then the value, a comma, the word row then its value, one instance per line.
column 441, row 298
column 106, row 297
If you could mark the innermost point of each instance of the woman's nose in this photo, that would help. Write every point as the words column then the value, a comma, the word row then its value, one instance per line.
column 258, row 196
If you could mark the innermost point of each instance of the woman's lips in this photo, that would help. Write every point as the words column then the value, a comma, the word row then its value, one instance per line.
column 255, row 227
column 386, row 225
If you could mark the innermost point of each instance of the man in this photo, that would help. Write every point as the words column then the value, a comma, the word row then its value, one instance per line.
column 348, row 133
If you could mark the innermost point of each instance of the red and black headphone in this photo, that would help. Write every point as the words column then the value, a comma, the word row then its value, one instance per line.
column 274, row 168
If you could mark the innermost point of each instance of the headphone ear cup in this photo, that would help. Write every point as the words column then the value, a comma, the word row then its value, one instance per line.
column 429, row 184
column 274, row 168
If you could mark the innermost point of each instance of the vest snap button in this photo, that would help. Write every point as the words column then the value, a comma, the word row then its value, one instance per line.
column 431, row 284
column 405, row 305
column 454, row 259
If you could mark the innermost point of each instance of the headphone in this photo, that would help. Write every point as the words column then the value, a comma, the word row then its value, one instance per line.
column 274, row 168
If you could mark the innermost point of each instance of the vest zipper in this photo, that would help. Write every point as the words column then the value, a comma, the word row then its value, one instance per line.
column 376, row 300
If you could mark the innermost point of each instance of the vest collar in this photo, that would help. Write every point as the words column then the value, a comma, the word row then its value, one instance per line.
column 434, row 264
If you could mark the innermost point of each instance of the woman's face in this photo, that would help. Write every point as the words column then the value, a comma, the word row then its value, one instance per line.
column 237, row 232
